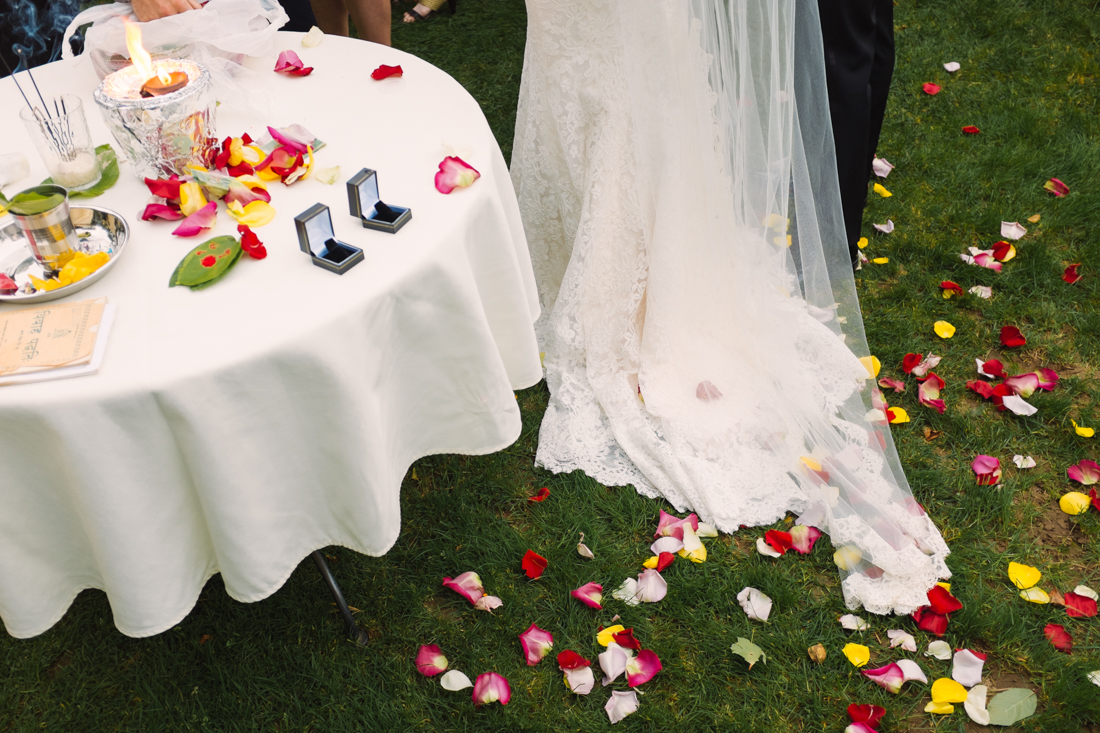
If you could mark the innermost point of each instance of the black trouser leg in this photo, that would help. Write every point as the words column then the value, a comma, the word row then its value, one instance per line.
column 301, row 15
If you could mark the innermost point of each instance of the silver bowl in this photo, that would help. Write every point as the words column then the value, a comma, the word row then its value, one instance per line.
column 98, row 230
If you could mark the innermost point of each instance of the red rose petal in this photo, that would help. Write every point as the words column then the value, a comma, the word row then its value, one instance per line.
column 930, row 621
column 931, row 88
column 541, row 495
column 1070, row 275
column 971, row 130
column 1080, row 606
column 1011, row 337
column 664, row 560
column 869, row 714
column 569, row 659
column 626, row 640
column 385, row 72
column 941, row 601
column 780, row 541
column 533, row 564
column 1059, row 637
column 910, row 361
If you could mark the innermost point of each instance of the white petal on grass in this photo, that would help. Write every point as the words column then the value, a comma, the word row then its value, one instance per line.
column 903, row 639
column 706, row 530
column 975, row 705
column 854, row 623
column 580, row 681
column 1019, row 405
column 966, row 668
column 1023, row 461
column 1012, row 230
column 613, row 662
column 666, row 544
column 757, row 605
column 1084, row 590
column 952, row 66
column 627, row 592
column 982, row 291
column 939, row 649
column 621, row 705
column 1094, row 677
column 887, row 227
column 765, row 549
column 882, row 167
column 912, row 671
column 651, row 586
column 454, row 680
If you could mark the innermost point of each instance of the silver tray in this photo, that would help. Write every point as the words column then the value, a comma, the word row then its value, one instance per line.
column 99, row 230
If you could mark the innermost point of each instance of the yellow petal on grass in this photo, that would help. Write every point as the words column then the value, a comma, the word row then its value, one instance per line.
column 943, row 329
column 847, row 557
column 857, row 654
column 1034, row 219
column 1023, row 576
column 256, row 214
column 191, row 198
column 604, row 636
column 947, row 690
column 1035, row 595
column 1082, row 430
column 1075, row 503
column 871, row 364
column 862, row 243
column 881, row 191
column 898, row 416
column 881, row 260
column 651, row 562
column 940, row 708
column 945, row 586
column 693, row 548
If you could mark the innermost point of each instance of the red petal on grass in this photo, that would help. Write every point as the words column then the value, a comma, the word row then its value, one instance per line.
column 289, row 63
column 161, row 211
column 953, row 287
column 1059, row 637
column 971, row 130
column 869, row 714
column 1080, row 606
column 1003, row 251
column 993, row 368
column 664, row 560
column 385, row 72
column 1056, row 187
column 1011, row 337
column 533, row 564
column 541, row 495
column 569, row 659
column 909, row 361
column 931, row 87
column 1095, row 499
column 779, row 541
column 169, row 189
column 930, row 621
column 1070, row 275
column 626, row 640
column 941, row 601
column 982, row 388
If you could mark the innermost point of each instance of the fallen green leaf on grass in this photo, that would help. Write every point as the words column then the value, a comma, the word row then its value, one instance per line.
column 1012, row 706
column 748, row 651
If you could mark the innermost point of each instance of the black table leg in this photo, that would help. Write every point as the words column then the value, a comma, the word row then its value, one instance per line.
column 355, row 633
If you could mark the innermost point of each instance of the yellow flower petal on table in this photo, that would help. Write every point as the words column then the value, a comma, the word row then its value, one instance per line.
column 847, row 557
column 1075, row 503
column 881, row 260
column 256, row 214
column 940, row 708
column 1035, row 595
column 253, row 181
column 946, row 689
column 1023, row 576
column 857, row 654
column 604, row 636
column 898, row 416
column 1082, row 430
column 191, row 198
column 862, row 243
column 327, row 175
column 872, row 365
column 881, row 191
column 943, row 329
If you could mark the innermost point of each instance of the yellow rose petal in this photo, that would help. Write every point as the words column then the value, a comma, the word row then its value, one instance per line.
column 1010, row 254
column 881, row 191
column 898, row 415
column 1035, row 219
column 940, row 708
column 604, row 636
column 948, row 690
column 1023, row 576
column 862, row 243
column 651, row 562
column 256, row 214
column 871, row 364
column 1083, row 431
column 191, row 198
column 857, row 654
column 811, row 463
column 881, row 260
column 943, row 329
column 847, row 557
column 327, row 175
column 945, row 586
column 1035, row 595
column 1075, row 503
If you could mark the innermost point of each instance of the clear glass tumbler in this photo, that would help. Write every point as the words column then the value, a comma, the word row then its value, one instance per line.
column 61, row 135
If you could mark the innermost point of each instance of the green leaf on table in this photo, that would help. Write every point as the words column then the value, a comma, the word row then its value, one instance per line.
column 108, row 166
column 207, row 263
column 748, row 651
column 1011, row 706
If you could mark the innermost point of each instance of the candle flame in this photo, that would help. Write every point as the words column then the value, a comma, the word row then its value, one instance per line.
column 164, row 76
column 138, row 55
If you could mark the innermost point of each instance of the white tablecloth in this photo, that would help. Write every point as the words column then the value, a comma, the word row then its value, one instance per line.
column 238, row 428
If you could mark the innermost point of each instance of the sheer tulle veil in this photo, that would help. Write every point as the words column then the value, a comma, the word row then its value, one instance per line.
column 721, row 363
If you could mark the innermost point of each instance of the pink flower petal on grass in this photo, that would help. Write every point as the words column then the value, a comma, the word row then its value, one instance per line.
column 289, row 63
column 161, row 211
column 488, row 603
column 859, row 727
column 430, row 660
column 1012, row 230
column 890, row 677
column 491, row 687
column 986, row 260
column 1048, row 378
column 929, row 362
column 454, row 173
column 590, row 594
column 929, row 392
column 620, row 705
column 1084, row 472
column 669, row 525
column 1023, row 384
column 881, row 167
column 536, row 644
column 651, row 586
column 885, row 228
column 641, row 668
column 895, row 384
column 204, row 218
column 613, row 662
column 987, row 469
column 468, row 585
column 803, row 538
column 1056, row 187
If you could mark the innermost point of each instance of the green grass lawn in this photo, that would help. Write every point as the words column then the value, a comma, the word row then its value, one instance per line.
column 1029, row 82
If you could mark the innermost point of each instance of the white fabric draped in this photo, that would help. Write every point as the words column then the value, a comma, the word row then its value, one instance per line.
column 676, row 175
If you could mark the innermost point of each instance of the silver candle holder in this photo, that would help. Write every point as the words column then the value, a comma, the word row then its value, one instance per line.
column 161, row 135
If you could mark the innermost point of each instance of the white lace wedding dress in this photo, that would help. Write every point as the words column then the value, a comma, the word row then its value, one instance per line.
column 674, row 166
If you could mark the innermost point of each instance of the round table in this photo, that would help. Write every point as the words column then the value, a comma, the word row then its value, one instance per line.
column 238, row 428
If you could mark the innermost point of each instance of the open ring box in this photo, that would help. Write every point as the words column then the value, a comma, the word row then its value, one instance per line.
column 317, row 239
column 365, row 203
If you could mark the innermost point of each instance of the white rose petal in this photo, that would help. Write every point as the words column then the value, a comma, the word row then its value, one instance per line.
column 1023, row 461
column 982, row 291
column 1084, row 590
column 967, row 668
column 952, row 66
column 887, row 227
column 903, row 639
column 939, row 649
column 1012, row 230
column 912, row 671
column 313, row 38
column 975, row 705
column 1019, row 405
column 765, row 549
column 882, row 167
column 757, row 605
column 454, row 680
column 854, row 623
column 627, row 592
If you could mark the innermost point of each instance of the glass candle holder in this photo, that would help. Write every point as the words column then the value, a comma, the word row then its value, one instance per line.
column 61, row 136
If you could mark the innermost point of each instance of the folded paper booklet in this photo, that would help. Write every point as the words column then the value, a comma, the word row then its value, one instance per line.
column 53, row 342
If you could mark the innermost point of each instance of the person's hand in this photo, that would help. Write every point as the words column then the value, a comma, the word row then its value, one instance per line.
column 153, row 9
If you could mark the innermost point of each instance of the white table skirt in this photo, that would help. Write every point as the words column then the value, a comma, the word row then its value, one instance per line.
column 238, row 428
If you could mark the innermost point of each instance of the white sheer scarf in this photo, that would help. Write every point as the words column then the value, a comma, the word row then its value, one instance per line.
column 676, row 173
